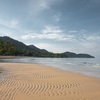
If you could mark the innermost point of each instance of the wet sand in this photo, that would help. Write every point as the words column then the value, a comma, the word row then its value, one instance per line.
column 35, row 82
column 11, row 57
column 1, row 70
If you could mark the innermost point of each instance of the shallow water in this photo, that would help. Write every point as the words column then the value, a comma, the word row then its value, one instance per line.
column 86, row 66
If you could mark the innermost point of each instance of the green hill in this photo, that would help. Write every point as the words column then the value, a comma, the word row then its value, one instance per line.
column 10, row 46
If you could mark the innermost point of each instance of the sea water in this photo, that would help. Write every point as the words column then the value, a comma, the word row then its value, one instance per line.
column 86, row 66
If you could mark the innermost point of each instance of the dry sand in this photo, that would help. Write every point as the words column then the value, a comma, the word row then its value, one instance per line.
column 35, row 82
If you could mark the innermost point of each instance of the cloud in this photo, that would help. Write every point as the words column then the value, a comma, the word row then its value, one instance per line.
column 50, row 32
column 44, row 45
column 36, row 6
column 13, row 33
column 52, row 36
column 52, row 47
column 93, row 38
column 9, row 23
column 89, row 44
column 80, row 31
column 51, row 29
column 83, row 31
column 80, row 42
column 5, row 32
column 14, row 23
column 73, row 31
column 9, row 27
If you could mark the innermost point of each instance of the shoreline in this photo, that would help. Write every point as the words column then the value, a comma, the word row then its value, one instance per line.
column 24, row 81
column 84, row 66
column 11, row 57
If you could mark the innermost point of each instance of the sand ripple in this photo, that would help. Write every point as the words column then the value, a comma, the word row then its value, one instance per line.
column 32, row 82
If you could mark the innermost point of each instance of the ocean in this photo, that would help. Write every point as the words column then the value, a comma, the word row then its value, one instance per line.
column 85, row 66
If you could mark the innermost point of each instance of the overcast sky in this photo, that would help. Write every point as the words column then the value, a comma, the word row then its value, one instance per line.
column 55, row 25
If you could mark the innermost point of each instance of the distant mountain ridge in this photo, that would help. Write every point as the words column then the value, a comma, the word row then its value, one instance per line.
column 74, row 55
column 37, row 49
column 22, row 46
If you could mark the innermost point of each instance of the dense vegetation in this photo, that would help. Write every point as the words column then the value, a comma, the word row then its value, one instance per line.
column 10, row 46
column 7, row 48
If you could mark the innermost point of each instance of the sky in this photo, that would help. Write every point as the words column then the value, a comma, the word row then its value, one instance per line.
column 54, row 25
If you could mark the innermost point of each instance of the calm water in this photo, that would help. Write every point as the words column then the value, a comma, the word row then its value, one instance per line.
column 86, row 66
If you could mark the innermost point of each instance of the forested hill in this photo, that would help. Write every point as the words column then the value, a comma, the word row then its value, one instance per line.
column 9, row 46
column 74, row 55
column 19, row 45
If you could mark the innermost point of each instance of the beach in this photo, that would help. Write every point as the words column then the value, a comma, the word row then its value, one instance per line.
column 22, row 81
column 11, row 57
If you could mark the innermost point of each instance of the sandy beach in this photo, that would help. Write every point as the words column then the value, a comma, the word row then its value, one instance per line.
column 35, row 82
